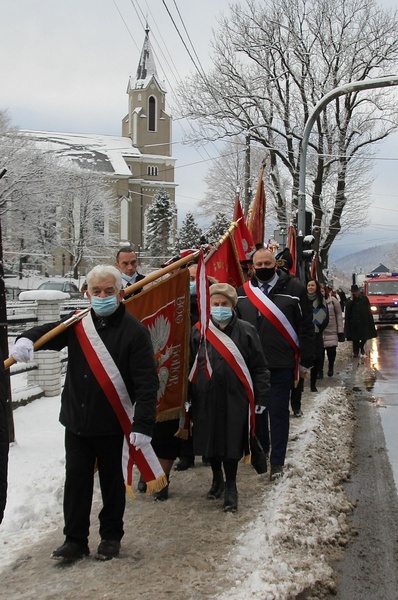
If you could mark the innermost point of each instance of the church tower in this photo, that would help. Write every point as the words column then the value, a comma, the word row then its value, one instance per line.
column 149, row 127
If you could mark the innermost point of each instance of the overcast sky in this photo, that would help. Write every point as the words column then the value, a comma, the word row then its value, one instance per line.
column 65, row 67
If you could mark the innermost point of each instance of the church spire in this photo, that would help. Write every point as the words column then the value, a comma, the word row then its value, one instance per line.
column 147, row 66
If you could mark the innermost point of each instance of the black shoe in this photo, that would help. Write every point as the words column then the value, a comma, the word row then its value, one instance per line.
column 217, row 486
column 320, row 375
column 230, row 497
column 141, row 487
column 163, row 495
column 185, row 462
column 70, row 551
column 205, row 461
column 108, row 549
column 355, row 355
column 276, row 472
column 313, row 388
column 330, row 373
column 298, row 413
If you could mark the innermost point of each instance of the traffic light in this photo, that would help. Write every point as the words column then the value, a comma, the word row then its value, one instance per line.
column 308, row 251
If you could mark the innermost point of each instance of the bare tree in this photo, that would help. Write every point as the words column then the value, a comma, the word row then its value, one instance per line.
column 50, row 207
column 227, row 174
column 85, row 216
column 272, row 64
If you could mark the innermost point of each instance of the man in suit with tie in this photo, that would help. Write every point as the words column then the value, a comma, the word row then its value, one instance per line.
column 278, row 306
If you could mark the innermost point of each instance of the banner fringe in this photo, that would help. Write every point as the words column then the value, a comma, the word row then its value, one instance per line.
column 182, row 434
column 169, row 415
column 156, row 484
column 129, row 491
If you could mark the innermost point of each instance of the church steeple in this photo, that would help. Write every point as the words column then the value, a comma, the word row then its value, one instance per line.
column 146, row 67
column 147, row 122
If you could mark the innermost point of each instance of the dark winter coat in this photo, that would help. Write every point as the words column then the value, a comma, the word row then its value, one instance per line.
column 220, row 406
column 4, row 440
column 85, row 410
column 290, row 296
column 359, row 324
column 335, row 325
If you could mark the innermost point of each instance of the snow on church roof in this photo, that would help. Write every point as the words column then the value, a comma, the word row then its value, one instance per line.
column 104, row 153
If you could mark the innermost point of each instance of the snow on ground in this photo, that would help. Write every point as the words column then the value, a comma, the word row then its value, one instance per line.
column 282, row 551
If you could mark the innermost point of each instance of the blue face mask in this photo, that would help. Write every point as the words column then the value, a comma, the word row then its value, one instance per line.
column 221, row 313
column 128, row 278
column 192, row 288
column 104, row 306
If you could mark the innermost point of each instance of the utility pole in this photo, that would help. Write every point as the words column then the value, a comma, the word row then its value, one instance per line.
column 348, row 88
column 4, row 334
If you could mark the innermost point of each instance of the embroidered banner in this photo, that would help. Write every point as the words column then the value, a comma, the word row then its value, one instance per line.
column 164, row 309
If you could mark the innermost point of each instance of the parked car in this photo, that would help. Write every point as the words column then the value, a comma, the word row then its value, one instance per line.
column 62, row 286
column 12, row 292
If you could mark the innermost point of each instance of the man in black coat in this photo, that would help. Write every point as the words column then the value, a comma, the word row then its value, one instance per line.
column 4, row 440
column 290, row 298
column 126, row 262
column 359, row 324
column 110, row 365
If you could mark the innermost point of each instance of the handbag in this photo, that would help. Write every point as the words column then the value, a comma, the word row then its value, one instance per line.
column 341, row 337
column 258, row 456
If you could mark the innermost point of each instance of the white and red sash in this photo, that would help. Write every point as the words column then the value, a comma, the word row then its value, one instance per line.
column 271, row 312
column 111, row 382
column 232, row 355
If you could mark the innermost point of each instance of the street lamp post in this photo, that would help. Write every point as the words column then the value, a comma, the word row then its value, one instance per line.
column 335, row 93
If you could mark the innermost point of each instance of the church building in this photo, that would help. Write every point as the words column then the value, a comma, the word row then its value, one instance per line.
column 136, row 164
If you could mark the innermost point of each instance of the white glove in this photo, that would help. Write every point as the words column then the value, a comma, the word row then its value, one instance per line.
column 139, row 440
column 22, row 350
column 304, row 371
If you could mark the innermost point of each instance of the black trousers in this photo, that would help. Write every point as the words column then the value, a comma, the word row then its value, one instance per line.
column 81, row 454
column 4, row 446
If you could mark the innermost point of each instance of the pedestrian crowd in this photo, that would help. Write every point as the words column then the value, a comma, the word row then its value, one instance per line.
column 264, row 340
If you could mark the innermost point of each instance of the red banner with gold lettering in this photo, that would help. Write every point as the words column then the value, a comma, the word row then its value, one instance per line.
column 164, row 309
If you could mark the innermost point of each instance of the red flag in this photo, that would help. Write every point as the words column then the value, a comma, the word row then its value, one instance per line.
column 314, row 268
column 292, row 245
column 164, row 309
column 224, row 264
column 243, row 238
column 257, row 215
column 202, row 289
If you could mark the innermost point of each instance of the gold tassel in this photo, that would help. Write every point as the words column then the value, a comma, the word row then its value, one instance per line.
column 182, row 434
column 129, row 491
column 156, row 484
column 247, row 460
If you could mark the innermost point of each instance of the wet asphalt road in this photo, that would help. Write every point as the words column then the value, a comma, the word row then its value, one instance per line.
column 369, row 569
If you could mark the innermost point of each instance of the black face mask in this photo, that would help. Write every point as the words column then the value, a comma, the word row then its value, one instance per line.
column 265, row 274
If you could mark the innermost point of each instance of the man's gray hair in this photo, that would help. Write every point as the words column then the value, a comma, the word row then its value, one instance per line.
column 102, row 272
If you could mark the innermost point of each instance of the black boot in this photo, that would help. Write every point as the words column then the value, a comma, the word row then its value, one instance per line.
column 230, row 497
column 163, row 495
column 185, row 462
column 217, row 486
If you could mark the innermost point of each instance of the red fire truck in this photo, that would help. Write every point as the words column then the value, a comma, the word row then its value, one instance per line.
column 382, row 291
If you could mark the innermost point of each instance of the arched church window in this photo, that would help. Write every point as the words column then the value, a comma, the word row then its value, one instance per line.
column 152, row 114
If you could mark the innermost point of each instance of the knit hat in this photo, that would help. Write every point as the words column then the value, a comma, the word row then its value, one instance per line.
column 225, row 290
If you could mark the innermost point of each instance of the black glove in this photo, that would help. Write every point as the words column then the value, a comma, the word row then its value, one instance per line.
column 341, row 337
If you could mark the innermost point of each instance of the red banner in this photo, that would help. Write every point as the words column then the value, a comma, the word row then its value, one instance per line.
column 243, row 238
column 224, row 264
column 257, row 214
column 164, row 308
column 292, row 245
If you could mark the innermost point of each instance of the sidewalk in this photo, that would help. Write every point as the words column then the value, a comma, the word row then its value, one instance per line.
column 279, row 545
